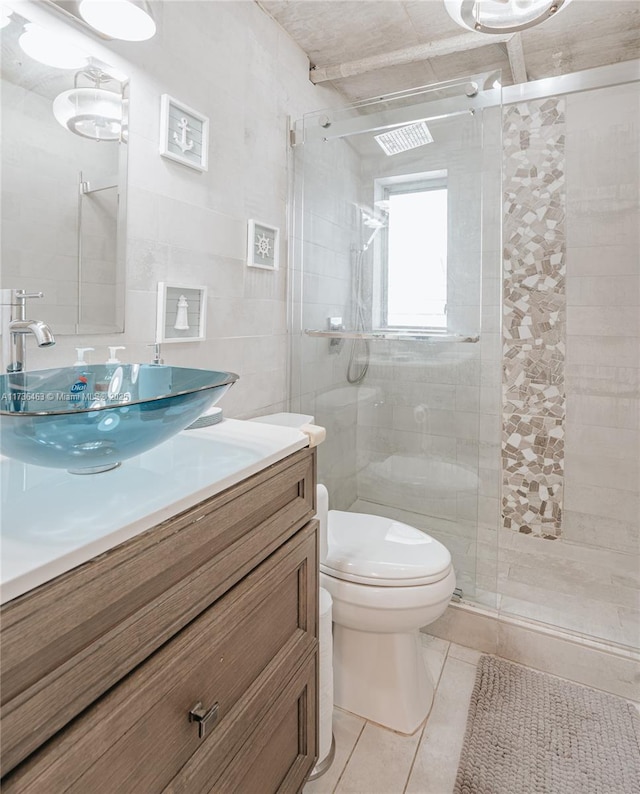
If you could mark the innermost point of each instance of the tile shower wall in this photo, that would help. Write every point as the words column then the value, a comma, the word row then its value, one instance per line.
column 423, row 438
column 328, row 180
column 418, row 436
column 422, row 410
column 588, row 578
column 234, row 63
column 603, row 319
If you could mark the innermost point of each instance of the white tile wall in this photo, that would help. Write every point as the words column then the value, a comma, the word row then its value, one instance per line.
column 235, row 64
column 418, row 401
column 602, row 494
column 326, row 195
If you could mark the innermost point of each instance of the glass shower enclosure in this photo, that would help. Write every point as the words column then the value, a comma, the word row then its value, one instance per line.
column 395, row 310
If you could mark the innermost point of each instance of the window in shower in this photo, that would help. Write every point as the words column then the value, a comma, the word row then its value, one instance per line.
column 413, row 252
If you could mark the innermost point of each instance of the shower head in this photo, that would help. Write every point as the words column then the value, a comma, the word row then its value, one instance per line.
column 375, row 228
column 373, row 218
column 372, row 222
column 403, row 139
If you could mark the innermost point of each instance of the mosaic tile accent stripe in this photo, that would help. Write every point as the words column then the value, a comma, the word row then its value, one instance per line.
column 533, row 462
column 534, row 317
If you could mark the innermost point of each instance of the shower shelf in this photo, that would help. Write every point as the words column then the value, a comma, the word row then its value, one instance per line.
column 406, row 336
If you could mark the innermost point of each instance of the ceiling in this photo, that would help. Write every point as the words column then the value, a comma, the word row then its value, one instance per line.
column 588, row 33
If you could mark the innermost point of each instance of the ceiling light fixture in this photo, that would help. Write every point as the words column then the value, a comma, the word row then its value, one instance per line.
column 129, row 20
column 51, row 49
column 91, row 112
column 502, row 16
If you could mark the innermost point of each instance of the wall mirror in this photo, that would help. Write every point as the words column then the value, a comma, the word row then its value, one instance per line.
column 64, row 178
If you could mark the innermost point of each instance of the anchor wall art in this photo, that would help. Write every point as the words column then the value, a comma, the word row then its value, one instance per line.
column 184, row 134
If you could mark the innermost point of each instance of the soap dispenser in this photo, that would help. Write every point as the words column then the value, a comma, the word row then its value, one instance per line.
column 155, row 378
column 110, row 367
column 80, row 351
column 83, row 384
column 112, row 356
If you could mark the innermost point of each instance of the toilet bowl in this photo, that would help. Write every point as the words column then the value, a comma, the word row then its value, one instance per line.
column 387, row 580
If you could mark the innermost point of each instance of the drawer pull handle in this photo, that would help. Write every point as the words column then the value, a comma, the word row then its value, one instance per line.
column 205, row 719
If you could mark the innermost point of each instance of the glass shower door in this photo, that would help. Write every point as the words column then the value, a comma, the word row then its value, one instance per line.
column 397, row 235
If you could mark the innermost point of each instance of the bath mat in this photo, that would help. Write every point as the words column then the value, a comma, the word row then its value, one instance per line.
column 530, row 733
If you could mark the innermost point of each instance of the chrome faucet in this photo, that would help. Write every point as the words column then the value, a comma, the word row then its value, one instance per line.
column 16, row 326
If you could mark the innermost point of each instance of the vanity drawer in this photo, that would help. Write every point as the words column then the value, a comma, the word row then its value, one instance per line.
column 69, row 641
column 243, row 653
column 276, row 757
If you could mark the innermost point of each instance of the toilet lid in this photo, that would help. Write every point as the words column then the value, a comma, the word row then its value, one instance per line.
column 380, row 551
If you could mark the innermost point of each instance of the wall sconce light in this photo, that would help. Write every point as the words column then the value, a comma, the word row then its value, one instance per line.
column 91, row 112
column 129, row 20
column 50, row 48
column 502, row 16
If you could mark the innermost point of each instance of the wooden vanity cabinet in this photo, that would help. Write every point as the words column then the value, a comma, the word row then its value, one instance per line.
column 196, row 676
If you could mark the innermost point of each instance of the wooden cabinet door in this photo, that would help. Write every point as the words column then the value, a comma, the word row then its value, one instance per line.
column 282, row 751
column 242, row 653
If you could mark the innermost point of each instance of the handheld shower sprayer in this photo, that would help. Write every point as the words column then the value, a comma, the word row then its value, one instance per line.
column 373, row 220
column 372, row 237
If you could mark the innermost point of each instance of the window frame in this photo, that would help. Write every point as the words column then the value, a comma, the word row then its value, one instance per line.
column 384, row 188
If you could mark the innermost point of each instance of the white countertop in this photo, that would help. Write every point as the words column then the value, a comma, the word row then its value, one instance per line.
column 53, row 521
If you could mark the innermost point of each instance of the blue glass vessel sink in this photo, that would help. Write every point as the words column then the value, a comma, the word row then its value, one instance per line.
column 89, row 419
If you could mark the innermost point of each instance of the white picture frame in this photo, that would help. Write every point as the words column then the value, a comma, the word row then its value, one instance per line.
column 263, row 245
column 184, row 134
column 172, row 317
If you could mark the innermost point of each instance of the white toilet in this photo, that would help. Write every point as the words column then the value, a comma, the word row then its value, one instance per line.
column 387, row 579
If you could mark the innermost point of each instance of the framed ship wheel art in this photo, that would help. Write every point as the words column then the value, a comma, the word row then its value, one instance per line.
column 263, row 242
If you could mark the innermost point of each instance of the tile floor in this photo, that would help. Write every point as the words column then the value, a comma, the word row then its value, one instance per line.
column 373, row 760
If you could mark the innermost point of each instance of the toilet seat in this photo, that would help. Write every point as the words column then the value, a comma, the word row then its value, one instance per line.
column 374, row 550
